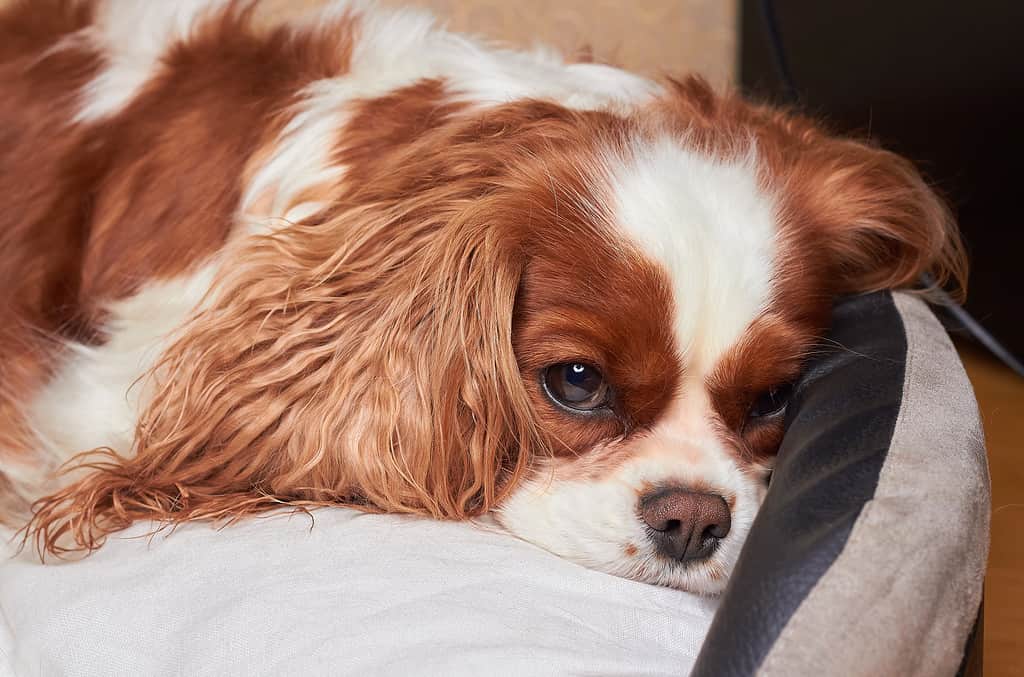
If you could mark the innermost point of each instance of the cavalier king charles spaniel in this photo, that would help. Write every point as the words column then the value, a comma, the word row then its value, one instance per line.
column 358, row 260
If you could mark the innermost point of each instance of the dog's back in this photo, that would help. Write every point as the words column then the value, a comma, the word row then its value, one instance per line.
column 359, row 260
column 43, row 223
column 137, row 138
column 126, row 129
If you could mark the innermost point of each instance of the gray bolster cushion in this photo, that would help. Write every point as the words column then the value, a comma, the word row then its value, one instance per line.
column 869, row 553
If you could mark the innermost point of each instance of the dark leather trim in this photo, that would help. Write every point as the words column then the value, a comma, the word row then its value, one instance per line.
column 973, row 664
column 839, row 426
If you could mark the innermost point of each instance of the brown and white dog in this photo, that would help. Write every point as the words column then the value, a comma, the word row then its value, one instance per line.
column 360, row 260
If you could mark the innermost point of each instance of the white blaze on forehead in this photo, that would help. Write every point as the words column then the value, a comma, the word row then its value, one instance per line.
column 706, row 221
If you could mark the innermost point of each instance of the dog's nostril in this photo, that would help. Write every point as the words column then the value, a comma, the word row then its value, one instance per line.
column 685, row 525
column 715, row 531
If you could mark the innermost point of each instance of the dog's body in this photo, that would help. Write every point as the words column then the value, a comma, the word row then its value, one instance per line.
column 363, row 261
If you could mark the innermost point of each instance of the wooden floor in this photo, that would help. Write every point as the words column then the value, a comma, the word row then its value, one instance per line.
column 1001, row 400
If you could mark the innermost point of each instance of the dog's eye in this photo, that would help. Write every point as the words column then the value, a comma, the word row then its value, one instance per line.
column 771, row 403
column 576, row 385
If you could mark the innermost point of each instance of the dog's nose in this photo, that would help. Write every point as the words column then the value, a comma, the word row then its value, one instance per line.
column 685, row 525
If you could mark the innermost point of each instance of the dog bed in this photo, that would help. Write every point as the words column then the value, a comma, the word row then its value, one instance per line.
column 355, row 594
column 866, row 558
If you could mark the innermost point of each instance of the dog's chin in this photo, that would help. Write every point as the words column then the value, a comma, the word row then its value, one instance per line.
column 702, row 577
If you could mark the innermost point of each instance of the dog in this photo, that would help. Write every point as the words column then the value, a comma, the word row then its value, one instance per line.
column 358, row 260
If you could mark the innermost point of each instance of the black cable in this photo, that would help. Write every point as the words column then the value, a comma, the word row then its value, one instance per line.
column 966, row 320
column 976, row 331
column 771, row 24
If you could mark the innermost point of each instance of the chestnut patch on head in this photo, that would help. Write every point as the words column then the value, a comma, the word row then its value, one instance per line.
column 749, row 386
column 586, row 298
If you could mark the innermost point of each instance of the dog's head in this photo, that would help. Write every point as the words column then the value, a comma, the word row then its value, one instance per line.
column 587, row 322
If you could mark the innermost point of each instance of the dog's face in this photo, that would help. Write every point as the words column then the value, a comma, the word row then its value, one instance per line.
column 658, row 357
column 587, row 322
column 664, row 312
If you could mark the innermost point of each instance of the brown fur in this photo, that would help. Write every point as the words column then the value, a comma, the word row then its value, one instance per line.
column 93, row 211
column 192, row 129
column 41, row 230
column 386, row 352
column 387, row 378
column 854, row 218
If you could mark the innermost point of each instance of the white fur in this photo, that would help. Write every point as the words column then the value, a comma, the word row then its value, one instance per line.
column 399, row 48
column 708, row 224
column 597, row 521
column 395, row 48
column 593, row 522
column 95, row 398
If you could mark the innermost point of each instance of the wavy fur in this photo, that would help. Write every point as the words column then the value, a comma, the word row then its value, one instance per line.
column 366, row 356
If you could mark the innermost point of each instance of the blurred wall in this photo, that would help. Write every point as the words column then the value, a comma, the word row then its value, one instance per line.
column 939, row 82
column 652, row 37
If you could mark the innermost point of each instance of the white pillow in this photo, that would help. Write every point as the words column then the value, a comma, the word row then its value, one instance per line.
column 354, row 595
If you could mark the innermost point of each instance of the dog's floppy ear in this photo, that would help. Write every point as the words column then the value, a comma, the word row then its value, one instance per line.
column 876, row 218
column 362, row 360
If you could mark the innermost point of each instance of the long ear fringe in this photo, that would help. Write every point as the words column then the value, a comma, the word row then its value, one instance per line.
column 382, row 379
column 891, row 230
column 108, row 499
